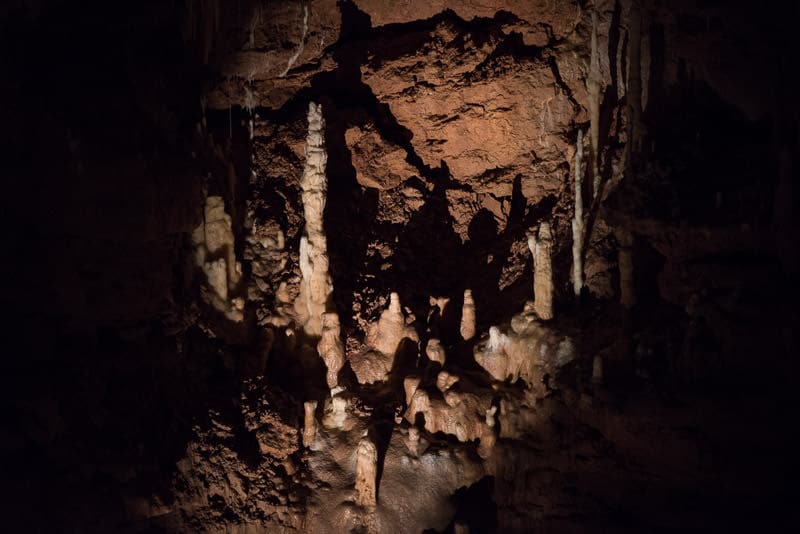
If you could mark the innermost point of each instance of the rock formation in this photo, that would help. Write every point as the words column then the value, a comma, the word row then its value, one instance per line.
column 184, row 364
column 541, row 247
column 435, row 351
column 331, row 348
column 383, row 340
column 577, row 219
column 309, row 423
column 529, row 351
column 468, row 316
column 366, row 474
column 213, row 241
column 445, row 381
column 316, row 289
column 459, row 414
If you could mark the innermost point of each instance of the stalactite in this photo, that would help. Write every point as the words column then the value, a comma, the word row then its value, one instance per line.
column 331, row 348
column 577, row 221
column 593, row 82
column 541, row 247
column 316, row 289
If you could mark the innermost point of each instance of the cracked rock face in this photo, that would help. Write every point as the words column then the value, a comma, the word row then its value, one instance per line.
column 488, row 114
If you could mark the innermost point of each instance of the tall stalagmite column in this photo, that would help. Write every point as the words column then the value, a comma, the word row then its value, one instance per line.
column 541, row 247
column 316, row 289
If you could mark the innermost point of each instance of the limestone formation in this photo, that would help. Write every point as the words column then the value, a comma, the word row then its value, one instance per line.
column 459, row 414
column 445, row 381
column 316, row 287
column 410, row 385
column 309, row 423
column 435, row 351
column 541, row 247
column 335, row 415
column 383, row 340
column 468, row 316
column 412, row 441
column 366, row 474
column 528, row 351
column 577, row 220
column 217, row 277
column 331, row 348
column 219, row 238
column 213, row 242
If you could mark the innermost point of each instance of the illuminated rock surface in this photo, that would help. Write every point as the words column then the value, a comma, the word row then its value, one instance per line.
column 399, row 266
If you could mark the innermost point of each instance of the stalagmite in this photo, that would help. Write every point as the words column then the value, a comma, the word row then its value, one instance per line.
column 310, row 423
column 410, row 385
column 435, row 351
column 366, row 474
column 412, row 442
column 445, row 381
column 468, row 316
column 384, row 339
column 336, row 411
column 577, row 221
column 316, row 289
column 219, row 238
column 627, row 295
column 331, row 348
column 541, row 247
column 217, row 277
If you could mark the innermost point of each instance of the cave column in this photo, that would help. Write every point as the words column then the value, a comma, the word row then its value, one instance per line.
column 316, row 287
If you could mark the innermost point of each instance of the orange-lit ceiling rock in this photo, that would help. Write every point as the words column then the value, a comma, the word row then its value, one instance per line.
column 488, row 115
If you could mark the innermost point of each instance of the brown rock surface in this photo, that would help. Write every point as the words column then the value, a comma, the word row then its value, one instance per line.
column 488, row 117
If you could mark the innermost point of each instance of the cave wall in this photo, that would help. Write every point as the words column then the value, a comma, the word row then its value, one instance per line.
column 451, row 130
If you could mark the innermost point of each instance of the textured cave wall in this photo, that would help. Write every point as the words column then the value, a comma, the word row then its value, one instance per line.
column 451, row 131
